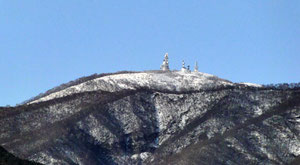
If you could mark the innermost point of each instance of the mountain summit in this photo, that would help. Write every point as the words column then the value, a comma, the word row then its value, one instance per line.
column 172, row 81
column 156, row 117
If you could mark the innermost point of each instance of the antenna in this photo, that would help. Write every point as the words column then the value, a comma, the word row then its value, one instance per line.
column 165, row 65
column 196, row 67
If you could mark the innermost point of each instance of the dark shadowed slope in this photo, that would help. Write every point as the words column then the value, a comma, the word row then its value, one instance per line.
column 296, row 161
column 7, row 158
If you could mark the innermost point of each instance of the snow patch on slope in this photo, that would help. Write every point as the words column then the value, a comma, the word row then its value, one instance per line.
column 251, row 84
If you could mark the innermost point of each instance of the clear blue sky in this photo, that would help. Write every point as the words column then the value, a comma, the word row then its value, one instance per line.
column 44, row 43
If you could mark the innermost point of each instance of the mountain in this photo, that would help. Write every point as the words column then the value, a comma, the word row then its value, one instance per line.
column 156, row 117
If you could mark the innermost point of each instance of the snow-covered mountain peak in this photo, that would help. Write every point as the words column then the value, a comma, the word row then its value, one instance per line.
column 155, row 80
column 156, row 117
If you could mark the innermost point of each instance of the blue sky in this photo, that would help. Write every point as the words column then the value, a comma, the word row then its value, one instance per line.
column 44, row 43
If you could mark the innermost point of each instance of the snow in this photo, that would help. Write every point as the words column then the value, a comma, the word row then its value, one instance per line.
column 45, row 158
column 145, row 155
column 251, row 84
column 169, row 80
column 135, row 156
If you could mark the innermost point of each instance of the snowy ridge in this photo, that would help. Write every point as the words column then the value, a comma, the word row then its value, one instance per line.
column 169, row 80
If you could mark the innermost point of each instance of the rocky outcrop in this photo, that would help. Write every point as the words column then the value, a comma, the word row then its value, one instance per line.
column 212, row 121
